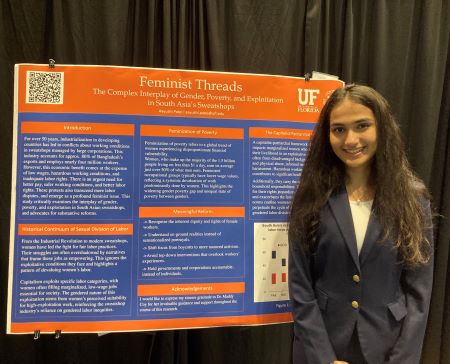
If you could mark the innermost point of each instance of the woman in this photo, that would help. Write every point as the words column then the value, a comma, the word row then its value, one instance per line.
column 360, row 237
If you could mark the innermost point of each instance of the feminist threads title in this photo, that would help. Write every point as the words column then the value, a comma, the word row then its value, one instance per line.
column 198, row 84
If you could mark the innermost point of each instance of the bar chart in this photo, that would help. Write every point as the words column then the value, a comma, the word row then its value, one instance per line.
column 270, row 262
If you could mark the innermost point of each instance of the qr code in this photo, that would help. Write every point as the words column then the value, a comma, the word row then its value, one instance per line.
column 45, row 87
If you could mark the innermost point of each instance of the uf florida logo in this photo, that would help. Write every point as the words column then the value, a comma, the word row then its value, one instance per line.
column 306, row 100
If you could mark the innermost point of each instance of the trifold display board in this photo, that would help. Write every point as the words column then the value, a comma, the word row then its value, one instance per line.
column 149, row 199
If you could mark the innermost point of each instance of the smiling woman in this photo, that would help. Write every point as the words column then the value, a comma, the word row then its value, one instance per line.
column 360, row 236
column 353, row 134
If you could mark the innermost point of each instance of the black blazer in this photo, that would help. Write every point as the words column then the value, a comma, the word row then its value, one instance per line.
column 335, row 290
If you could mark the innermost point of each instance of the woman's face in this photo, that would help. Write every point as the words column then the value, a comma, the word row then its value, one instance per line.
column 353, row 134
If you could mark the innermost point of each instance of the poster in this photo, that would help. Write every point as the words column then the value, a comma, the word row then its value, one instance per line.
column 151, row 199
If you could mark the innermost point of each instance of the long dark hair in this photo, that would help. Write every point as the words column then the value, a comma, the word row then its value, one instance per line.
column 399, row 193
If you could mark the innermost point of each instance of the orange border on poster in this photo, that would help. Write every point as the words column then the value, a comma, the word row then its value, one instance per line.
column 181, row 93
column 143, row 325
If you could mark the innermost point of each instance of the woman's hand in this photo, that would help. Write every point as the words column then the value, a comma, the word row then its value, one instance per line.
column 340, row 362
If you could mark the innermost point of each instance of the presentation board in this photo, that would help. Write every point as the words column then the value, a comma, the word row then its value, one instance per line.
column 150, row 199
